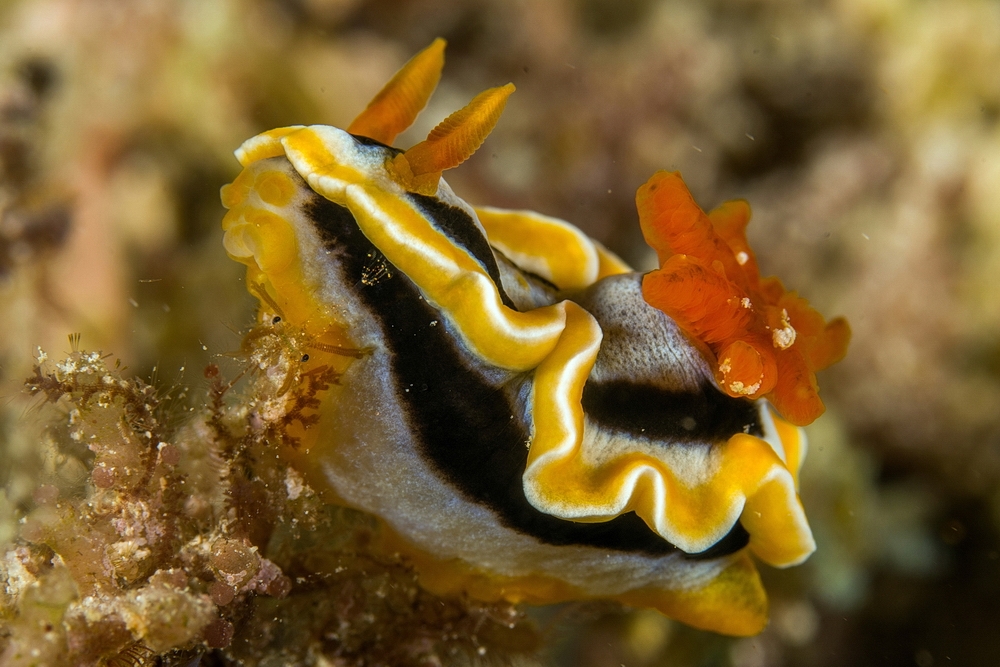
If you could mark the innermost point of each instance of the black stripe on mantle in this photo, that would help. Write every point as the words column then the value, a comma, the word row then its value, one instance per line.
column 466, row 426
column 675, row 416
column 459, row 227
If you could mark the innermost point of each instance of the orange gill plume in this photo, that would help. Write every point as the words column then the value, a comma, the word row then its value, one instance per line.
column 763, row 340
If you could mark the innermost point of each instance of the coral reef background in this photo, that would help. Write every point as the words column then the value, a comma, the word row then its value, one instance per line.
column 865, row 134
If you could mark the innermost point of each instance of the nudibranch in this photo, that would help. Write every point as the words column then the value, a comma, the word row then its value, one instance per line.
column 530, row 419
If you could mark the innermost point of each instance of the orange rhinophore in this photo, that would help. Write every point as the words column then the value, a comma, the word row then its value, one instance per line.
column 396, row 106
column 452, row 142
column 765, row 341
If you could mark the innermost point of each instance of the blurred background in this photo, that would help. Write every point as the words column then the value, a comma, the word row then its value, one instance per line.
column 864, row 133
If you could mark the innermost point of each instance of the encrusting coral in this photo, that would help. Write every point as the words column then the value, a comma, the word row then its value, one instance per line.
column 192, row 543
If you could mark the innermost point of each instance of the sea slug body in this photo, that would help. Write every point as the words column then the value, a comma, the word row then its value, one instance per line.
column 530, row 419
